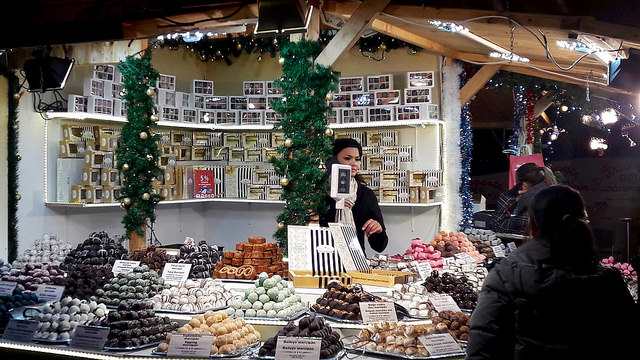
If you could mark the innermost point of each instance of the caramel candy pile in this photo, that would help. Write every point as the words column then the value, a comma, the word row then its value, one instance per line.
column 308, row 326
column 193, row 295
column 231, row 335
column 414, row 298
column 135, row 324
column 152, row 257
column 250, row 259
column 397, row 338
column 341, row 301
column 456, row 322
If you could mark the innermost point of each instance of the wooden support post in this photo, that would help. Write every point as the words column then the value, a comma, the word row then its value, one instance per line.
column 477, row 82
column 313, row 31
column 351, row 31
column 137, row 242
column 542, row 104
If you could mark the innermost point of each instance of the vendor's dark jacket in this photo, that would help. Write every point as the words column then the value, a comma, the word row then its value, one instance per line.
column 530, row 308
column 366, row 207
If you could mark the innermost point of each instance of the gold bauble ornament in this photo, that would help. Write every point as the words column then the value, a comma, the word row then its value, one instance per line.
column 17, row 96
column 383, row 47
column 329, row 96
column 18, row 197
column 125, row 167
column 146, row 196
column 144, row 135
column 150, row 91
column 149, row 157
column 288, row 143
column 280, row 225
column 281, row 60
column 259, row 58
column 203, row 57
column 284, row 181
column 18, row 157
column 218, row 53
column 123, row 93
column 328, row 132
column 154, row 118
column 238, row 46
column 16, row 127
column 126, row 201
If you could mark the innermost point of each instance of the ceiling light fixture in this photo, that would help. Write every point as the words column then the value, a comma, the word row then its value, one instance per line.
column 509, row 57
column 449, row 26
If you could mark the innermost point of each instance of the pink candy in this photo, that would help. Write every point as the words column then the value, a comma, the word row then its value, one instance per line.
column 625, row 268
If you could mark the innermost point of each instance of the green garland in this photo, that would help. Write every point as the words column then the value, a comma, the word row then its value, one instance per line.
column 138, row 150
column 308, row 140
column 12, row 162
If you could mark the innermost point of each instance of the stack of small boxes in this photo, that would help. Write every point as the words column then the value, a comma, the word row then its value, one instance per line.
column 101, row 93
column 100, row 179
column 256, row 254
column 378, row 101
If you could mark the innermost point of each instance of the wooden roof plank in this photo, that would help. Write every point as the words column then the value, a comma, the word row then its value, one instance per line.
column 477, row 82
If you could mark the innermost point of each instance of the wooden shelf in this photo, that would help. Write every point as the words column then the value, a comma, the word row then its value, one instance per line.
column 223, row 200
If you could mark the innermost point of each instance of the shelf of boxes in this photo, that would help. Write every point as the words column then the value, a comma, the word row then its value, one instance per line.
column 220, row 200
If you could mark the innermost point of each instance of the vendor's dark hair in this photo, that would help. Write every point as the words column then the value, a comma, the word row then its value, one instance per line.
column 530, row 173
column 560, row 217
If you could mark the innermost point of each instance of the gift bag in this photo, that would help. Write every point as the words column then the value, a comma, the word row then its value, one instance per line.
column 516, row 161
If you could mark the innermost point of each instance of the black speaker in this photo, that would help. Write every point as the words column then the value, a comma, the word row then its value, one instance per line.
column 625, row 73
column 47, row 73
column 279, row 17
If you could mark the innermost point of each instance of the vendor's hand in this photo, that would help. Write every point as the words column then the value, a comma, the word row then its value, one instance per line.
column 372, row 227
column 348, row 204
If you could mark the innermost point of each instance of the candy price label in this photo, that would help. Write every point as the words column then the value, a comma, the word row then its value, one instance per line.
column 174, row 273
column 6, row 287
column 464, row 256
column 442, row 302
column 124, row 266
column 424, row 270
column 440, row 344
column 294, row 348
column 512, row 246
column 90, row 337
column 378, row 311
column 20, row 330
column 49, row 292
column 498, row 251
column 198, row 345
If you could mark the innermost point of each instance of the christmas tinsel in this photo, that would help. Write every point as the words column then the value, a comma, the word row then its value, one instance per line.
column 308, row 140
column 138, row 150
column 529, row 113
column 466, row 152
column 13, row 158
column 519, row 106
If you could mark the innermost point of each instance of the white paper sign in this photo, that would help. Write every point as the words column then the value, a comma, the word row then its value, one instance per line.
column 198, row 345
column 174, row 273
column 442, row 302
column 20, row 330
column 375, row 311
column 464, row 256
column 90, row 338
column 6, row 287
column 298, row 348
column 49, row 292
column 124, row 266
column 512, row 246
column 424, row 270
column 498, row 251
column 440, row 344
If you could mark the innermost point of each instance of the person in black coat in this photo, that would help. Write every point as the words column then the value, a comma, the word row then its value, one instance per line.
column 367, row 216
column 551, row 298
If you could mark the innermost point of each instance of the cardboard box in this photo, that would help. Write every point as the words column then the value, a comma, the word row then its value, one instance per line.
column 256, row 192
column 274, row 192
column 236, row 154
column 79, row 133
column 169, row 177
column 68, row 172
column 71, row 149
column 357, row 135
column 182, row 153
column 90, row 177
column 179, row 186
column 265, row 177
column 277, row 139
column 78, row 194
column 379, row 277
column 305, row 279
column 219, row 153
column 393, row 178
column 99, row 159
column 414, row 193
column 382, row 138
column 167, row 161
column 109, row 142
column 183, row 138
column 109, row 177
column 110, row 194
column 268, row 153
column 256, row 140
column 253, row 155
column 417, row 177
column 200, row 153
column 94, row 194
column 233, row 140
column 237, row 179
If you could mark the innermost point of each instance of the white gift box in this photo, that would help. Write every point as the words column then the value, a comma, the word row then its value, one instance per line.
column 196, row 101
column 167, row 82
column 184, row 100
column 251, row 117
column 362, row 99
column 78, row 103
column 169, row 113
column 237, row 103
column 350, row 84
column 206, row 116
column 387, row 97
column 226, row 117
column 334, row 116
column 166, row 98
column 272, row 99
column 202, row 87
column 340, row 100
column 116, row 89
column 271, row 117
column 419, row 79
column 272, row 88
column 69, row 172
column 216, row 102
column 417, row 96
column 380, row 82
column 353, row 115
column 104, row 72
column 189, row 115
column 98, row 105
column 382, row 113
column 257, row 103
column 432, row 112
column 411, row 112
column 253, row 88
column 97, row 88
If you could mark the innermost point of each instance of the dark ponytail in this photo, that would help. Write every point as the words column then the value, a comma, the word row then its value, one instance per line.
column 530, row 173
column 558, row 214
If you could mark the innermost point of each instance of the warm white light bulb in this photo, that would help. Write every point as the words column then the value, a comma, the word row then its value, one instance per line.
column 609, row 116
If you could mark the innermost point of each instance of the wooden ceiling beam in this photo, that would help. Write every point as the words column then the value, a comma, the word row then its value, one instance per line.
column 477, row 82
column 351, row 31
column 542, row 104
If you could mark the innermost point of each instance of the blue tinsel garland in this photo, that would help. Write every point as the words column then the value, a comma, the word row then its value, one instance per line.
column 466, row 147
column 519, row 109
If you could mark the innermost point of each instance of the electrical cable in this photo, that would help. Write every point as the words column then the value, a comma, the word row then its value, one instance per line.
column 177, row 23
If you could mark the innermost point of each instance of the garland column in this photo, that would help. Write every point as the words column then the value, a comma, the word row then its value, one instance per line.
column 138, row 150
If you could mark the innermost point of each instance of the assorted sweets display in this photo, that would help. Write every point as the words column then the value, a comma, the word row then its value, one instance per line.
column 232, row 335
column 134, row 324
column 625, row 268
column 83, row 281
column 414, row 298
column 48, row 249
column 460, row 289
column 396, row 263
column 97, row 249
column 5, row 268
column 15, row 300
column 32, row 275
column 451, row 243
column 475, row 273
column 308, row 326
column 202, row 257
column 152, row 257
column 424, row 252
column 59, row 320
column 342, row 302
column 140, row 284
column 193, row 296
column 250, row 259
column 457, row 323
column 397, row 338
column 272, row 297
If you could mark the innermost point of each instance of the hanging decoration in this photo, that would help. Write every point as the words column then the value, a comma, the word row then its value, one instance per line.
column 451, row 113
column 13, row 126
column 304, row 125
column 530, row 99
column 466, row 149
column 137, row 152
column 519, row 109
